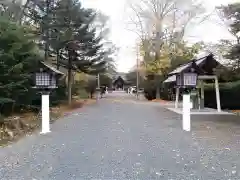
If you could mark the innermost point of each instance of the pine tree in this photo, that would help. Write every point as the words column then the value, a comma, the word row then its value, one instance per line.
column 71, row 36
column 18, row 58
column 80, row 49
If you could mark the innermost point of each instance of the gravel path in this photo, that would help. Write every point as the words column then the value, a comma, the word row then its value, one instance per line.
column 122, row 139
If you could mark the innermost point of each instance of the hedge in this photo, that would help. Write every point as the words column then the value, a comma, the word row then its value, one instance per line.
column 149, row 89
column 229, row 95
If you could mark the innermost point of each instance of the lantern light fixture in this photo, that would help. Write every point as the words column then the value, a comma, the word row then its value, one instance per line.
column 46, row 80
column 187, row 80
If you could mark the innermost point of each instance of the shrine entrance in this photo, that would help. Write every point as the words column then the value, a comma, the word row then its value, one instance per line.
column 119, row 83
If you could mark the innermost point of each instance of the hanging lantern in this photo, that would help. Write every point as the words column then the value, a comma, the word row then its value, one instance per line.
column 187, row 79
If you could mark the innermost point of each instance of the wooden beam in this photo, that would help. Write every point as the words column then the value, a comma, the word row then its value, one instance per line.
column 205, row 77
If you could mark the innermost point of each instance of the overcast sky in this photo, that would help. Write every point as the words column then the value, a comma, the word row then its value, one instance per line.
column 209, row 31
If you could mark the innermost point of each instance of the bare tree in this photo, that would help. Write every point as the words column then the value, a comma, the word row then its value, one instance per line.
column 226, row 15
column 163, row 20
column 159, row 22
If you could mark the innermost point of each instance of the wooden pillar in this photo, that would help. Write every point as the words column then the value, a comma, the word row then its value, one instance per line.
column 199, row 99
column 202, row 91
column 177, row 97
column 217, row 94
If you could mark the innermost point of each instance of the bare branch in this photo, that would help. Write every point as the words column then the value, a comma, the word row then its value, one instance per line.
column 162, row 22
column 224, row 22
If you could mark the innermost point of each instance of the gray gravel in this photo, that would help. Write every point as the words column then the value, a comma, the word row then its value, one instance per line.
column 123, row 139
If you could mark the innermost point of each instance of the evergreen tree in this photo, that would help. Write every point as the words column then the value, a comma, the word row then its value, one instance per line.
column 18, row 58
column 71, row 35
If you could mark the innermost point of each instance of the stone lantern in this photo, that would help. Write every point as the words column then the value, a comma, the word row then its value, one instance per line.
column 45, row 81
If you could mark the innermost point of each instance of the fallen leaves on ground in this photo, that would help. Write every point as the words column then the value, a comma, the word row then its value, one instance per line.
column 159, row 100
column 16, row 126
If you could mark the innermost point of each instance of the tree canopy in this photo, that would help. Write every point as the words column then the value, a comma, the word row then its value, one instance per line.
column 67, row 33
column 19, row 56
column 71, row 33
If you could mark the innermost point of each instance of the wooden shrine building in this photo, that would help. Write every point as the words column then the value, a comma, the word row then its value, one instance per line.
column 119, row 83
column 204, row 67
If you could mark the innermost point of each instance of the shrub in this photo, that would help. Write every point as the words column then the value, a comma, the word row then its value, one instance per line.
column 149, row 90
column 58, row 95
column 6, row 106
column 229, row 95
column 91, row 87
column 82, row 93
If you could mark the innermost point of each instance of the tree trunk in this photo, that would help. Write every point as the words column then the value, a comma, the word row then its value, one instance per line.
column 158, row 88
column 69, row 86
column 47, row 31
column 58, row 58
column 157, row 55
column 69, row 80
column 157, row 79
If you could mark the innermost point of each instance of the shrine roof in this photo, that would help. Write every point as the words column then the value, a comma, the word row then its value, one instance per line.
column 199, row 63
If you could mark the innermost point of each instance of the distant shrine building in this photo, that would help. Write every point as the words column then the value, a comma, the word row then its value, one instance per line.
column 118, row 83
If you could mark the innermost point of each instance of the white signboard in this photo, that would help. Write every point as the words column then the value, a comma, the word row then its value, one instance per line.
column 190, row 79
column 42, row 79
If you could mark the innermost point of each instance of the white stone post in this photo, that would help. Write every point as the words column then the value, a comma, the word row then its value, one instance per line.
column 45, row 114
column 186, row 124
